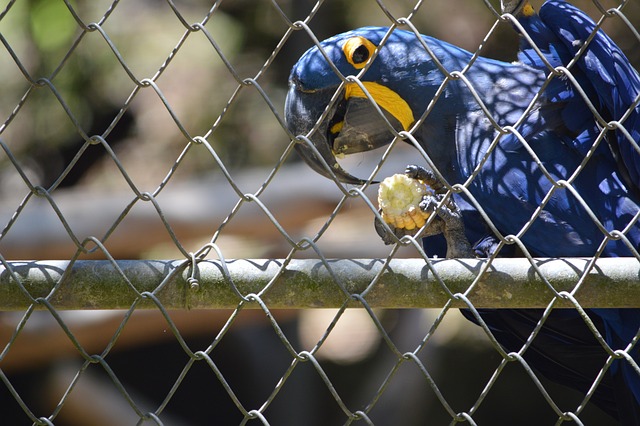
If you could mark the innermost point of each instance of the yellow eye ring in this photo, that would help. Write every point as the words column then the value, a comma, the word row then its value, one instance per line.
column 358, row 50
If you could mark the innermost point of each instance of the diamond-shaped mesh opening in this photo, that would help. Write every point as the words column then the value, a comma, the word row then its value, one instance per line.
column 133, row 131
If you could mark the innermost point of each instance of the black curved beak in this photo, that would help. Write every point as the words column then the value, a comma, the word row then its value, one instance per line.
column 352, row 125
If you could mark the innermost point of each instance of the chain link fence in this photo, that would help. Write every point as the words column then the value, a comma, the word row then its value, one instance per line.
column 154, row 130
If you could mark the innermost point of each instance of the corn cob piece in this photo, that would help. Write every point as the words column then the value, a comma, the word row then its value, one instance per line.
column 399, row 197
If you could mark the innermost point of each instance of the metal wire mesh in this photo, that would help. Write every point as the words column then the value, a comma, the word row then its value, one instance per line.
column 213, row 364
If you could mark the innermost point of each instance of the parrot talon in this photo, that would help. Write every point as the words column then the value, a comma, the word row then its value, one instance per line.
column 429, row 204
column 425, row 175
column 387, row 237
column 450, row 224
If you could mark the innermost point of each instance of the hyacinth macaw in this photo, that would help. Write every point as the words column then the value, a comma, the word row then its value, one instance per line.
column 460, row 139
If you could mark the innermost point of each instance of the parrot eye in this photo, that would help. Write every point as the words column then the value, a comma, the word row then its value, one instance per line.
column 358, row 50
column 360, row 55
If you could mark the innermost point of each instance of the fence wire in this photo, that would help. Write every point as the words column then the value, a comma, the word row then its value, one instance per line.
column 113, row 116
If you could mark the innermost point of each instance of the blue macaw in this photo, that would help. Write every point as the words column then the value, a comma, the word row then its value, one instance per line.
column 551, row 115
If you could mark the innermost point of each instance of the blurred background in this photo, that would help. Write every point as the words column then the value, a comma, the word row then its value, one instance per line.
column 46, row 130
column 83, row 84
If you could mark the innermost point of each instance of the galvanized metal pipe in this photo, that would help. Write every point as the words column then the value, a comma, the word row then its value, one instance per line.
column 405, row 283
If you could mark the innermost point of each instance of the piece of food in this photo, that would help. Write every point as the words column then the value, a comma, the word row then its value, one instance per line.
column 399, row 198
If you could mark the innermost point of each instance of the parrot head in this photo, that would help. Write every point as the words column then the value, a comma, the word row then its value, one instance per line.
column 400, row 79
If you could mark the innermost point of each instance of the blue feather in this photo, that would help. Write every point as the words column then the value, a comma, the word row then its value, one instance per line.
column 603, row 71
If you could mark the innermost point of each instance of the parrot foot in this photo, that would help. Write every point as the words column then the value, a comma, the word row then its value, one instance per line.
column 448, row 221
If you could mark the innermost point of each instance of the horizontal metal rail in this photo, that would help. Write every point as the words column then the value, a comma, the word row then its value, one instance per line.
column 402, row 283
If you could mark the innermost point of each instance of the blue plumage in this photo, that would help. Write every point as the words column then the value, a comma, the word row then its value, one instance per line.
column 511, row 183
column 603, row 71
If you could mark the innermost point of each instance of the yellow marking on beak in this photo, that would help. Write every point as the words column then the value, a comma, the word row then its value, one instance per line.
column 337, row 127
column 386, row 99
column 527, row 10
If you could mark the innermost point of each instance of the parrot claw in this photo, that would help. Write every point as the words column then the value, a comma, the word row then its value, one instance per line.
column 389, row 237
column 425, row 175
